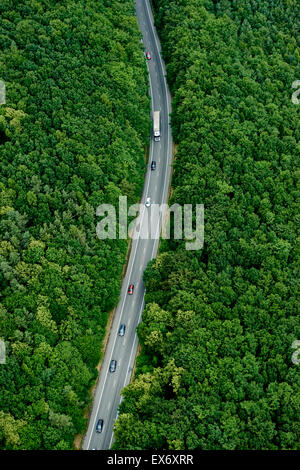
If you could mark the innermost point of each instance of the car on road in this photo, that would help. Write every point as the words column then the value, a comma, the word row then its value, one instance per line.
column 148, row 55
column 148, row 202
column 130, row 289
column 99, row 426
column 153, row 165
column 122, row 330
column 113, row 365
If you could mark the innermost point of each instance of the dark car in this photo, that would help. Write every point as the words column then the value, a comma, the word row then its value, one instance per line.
column 130, row 289
column 153, row 165
column 113, row 365
column 148, row 55
column 122, row 330
column 99, row 426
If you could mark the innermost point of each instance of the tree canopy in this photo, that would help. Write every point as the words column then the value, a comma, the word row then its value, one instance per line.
column 215, row 371
column 73, row 133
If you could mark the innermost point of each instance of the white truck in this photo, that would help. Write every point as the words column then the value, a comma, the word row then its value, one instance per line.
column 156, row 125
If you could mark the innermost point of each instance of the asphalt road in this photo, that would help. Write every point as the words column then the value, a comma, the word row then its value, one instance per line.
column 129, row 310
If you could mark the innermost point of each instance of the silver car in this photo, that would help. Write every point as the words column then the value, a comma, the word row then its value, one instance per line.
column 122, row 330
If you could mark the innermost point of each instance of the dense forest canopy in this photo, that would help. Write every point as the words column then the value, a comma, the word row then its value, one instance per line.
column 215, row 370
column 73, row 132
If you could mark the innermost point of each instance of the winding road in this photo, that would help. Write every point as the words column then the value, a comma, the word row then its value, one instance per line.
column 129, row 310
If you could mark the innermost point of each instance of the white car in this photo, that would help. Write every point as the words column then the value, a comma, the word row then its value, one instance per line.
column 148, row 202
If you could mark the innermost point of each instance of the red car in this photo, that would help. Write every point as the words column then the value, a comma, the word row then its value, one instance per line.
column 130, row 289
column 148, row 55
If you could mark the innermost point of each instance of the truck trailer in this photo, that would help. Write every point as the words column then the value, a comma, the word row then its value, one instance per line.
column 156, row 125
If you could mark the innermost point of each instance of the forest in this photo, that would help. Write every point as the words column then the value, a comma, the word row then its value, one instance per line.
column 73, row 133
column 216, row 370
